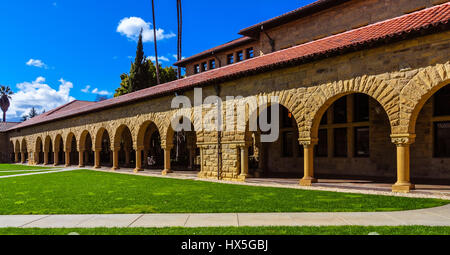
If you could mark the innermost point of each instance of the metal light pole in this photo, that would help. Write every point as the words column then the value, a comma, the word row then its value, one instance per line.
column 180, row 32
column 156, row 47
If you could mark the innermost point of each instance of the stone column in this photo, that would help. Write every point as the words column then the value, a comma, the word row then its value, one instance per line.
column 115, row 154
column 55, row 158
column 167, row 168
column 244, row 163
column 35, row 158
column 67, row 153
column 308, row 168
column 46, row 158
column 16, row 157
column 22, row 157
column 403, row 142
column 138, row 160
column 81, row 158
column 97, row 158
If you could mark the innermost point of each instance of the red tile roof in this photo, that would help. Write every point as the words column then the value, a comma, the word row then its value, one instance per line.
column 301, row 12
column 428, row 20
column 210, row 52
column 7, row 125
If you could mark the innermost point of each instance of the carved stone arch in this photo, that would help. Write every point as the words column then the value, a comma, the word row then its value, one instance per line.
column 38, row 144
column 139, row 141
column 23, row 145
column 82, row 140
column 325, row 95
column 47, row 142
column 57, row 142
column 417, row 92
column 17, row 148
column 98, row 137
column 118, row 132
column 68, row 143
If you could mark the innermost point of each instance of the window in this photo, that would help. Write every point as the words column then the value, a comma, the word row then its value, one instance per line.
column 249, row 53
column 240, row 56
column 361, row 111
column 230, row 59
column 196, row 69
column 442, row 139
column 322, row 146
column 442, row 102
column 340, row 142
column 362, row 142
column 340, row 111
column 288, row 138
column 212, row 64
column 204, row 67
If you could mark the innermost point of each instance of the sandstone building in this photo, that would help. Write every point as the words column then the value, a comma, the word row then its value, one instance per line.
column 362, row 89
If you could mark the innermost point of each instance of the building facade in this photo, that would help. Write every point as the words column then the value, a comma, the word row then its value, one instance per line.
column 361, row 87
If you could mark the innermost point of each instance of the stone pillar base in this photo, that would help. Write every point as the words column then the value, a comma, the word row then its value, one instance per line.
column 114, row 168
column 137, row 170
column 97, row 167
column 403, row 188
column 166, row 171
column 307, row 182
column 80, row 166
column 242, row 177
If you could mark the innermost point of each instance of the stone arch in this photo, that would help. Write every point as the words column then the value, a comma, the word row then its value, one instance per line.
column 417, row 92
column 82, row 140
column 23, row 145
column 47, row 143
column 140, row 137
column 68, row 144
column 17, row 148
column 57, row 143
column 122, row 129
column 38, row 144
column 325, row 95
column 98, row 137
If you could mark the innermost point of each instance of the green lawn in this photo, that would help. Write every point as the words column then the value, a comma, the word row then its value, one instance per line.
column 88, row 192
column 344, row 230
column 21, row 167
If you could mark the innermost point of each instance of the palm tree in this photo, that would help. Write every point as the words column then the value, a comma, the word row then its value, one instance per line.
column 5, row 93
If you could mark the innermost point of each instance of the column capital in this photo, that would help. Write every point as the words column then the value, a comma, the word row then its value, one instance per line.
column 308, row 141
column 403, row 139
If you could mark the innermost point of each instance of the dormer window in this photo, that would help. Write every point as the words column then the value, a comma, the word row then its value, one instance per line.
column 239, row 56
column 204, row 66
column 230, row 59
column 212, row 64
column 196, row 69
column 249, row 53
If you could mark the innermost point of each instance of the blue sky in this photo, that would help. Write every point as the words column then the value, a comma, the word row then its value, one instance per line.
column 55, row 51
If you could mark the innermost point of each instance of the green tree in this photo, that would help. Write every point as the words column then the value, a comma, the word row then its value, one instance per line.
column 143, row 73
column 33, row 113
column 5, row 93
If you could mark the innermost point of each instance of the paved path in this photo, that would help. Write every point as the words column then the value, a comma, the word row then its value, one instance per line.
column 35, row 172
column 439, row 216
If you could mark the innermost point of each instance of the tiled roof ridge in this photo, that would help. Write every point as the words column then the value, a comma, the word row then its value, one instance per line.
column 440, row 14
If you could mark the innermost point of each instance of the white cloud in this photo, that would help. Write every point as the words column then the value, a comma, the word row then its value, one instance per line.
column 39, row 95
column 131, row 27
column 36, row 63
column 161, row 58
column 101, row 92
column 95, row 91
column 86, row 89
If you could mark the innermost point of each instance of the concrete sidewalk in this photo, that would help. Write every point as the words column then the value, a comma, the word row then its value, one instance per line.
column 439, row 216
